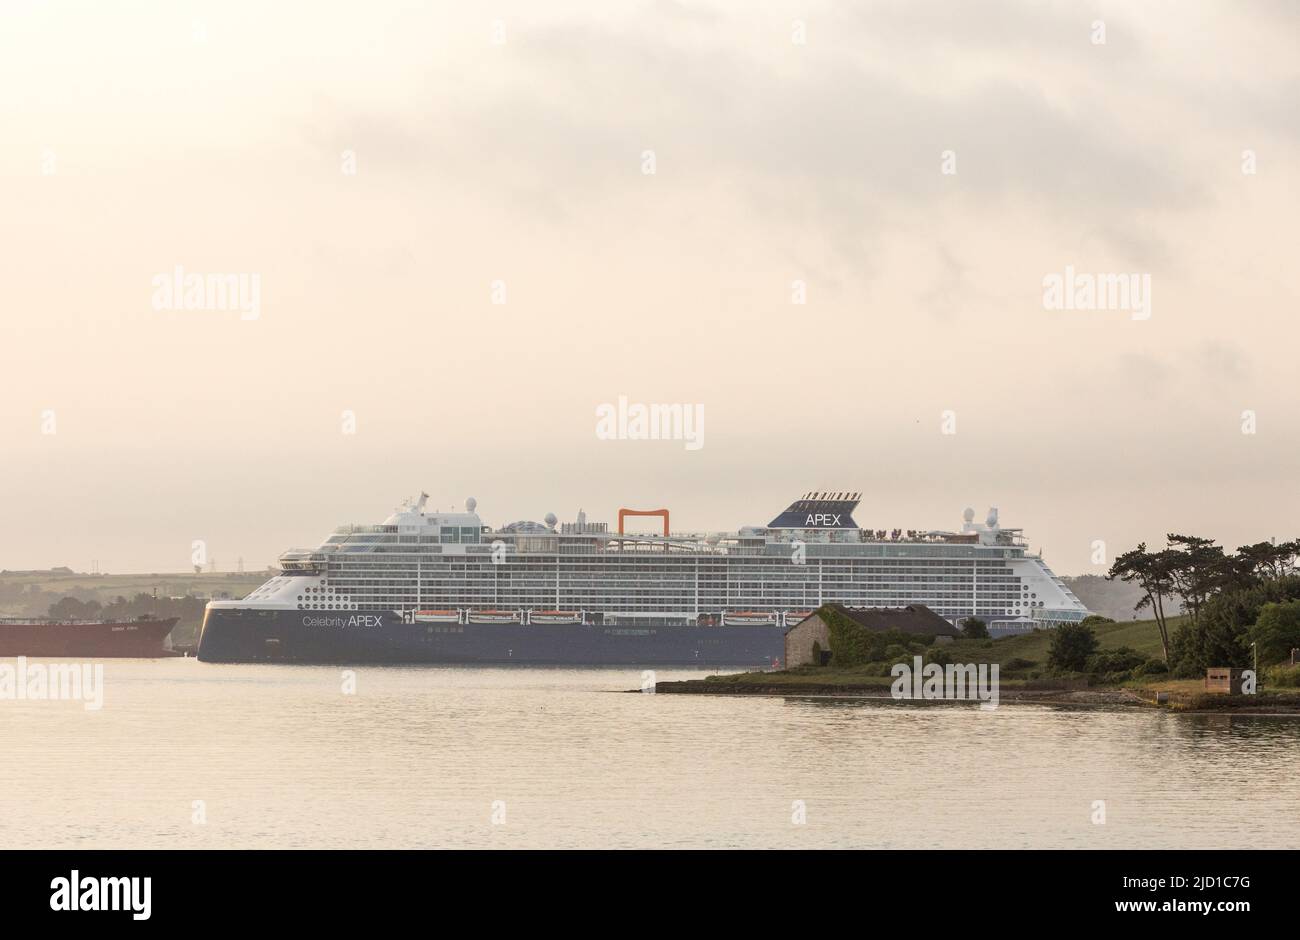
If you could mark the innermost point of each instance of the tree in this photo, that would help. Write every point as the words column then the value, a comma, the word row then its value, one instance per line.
column 1195, row 568
column 1269, row 560
column 1071, row 645
column 1222, row 635
column 973, row 628
column 1152, row 572
column 1276, row 631
column 70, row 608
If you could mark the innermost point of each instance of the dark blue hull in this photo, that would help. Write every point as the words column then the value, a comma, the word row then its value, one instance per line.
column 250, row 635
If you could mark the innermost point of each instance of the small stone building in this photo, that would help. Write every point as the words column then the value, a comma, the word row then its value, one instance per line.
column 1224, row 680
column 915, row 619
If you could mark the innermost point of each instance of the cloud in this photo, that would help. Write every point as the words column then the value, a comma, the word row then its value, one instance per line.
column 821, row 138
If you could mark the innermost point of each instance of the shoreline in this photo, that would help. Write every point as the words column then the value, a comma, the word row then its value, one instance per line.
column 1177, row 703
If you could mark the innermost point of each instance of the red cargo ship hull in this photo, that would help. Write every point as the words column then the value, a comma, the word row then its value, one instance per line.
column 90, row 639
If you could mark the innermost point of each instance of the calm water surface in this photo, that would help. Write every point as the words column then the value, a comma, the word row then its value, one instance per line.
column 281, row 758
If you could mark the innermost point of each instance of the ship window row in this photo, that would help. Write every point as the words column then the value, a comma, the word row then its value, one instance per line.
column 667, row 602
column 508, row 569
column 686, row 561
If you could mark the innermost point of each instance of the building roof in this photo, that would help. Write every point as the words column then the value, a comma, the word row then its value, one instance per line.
column 914, row 618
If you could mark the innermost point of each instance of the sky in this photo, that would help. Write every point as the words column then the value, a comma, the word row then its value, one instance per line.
column 825, row 227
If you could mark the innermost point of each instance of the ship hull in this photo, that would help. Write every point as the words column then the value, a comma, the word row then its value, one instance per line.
column 235, row 635
column 136, row 639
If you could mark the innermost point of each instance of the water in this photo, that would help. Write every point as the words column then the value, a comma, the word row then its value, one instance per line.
column 281, row 758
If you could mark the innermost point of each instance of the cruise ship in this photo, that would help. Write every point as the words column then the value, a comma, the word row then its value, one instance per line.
column 442, row 587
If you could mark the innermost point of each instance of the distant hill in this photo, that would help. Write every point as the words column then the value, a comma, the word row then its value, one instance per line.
column 32, row 593
column 1113, row 599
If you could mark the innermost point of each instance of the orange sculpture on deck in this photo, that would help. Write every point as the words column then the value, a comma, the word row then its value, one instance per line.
column 624, row 513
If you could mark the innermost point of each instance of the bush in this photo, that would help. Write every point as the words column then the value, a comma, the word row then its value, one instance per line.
column 1122, row 659
column 939, row 655
column 1276, row 631
column 1018, row 664
column 1282, row 675
column 1095, row 620
column 1071, row 645
column 1152, row 667
column 897, row 653
column 973, row 628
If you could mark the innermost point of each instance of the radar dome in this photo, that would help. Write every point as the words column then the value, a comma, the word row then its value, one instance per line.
column 968, row 515
column 471, row 504
column 549, row 519
column 992, row 519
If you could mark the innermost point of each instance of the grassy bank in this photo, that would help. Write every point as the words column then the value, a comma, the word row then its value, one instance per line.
column 1018, row 658
column 1023, row 675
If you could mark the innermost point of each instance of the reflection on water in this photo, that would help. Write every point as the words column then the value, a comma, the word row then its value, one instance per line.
column 280, row 757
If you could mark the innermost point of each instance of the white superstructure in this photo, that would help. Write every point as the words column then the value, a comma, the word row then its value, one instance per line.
column 450, row 567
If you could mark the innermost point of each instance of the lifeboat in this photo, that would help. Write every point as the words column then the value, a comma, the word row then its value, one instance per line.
column 494, row 616
column 794, row 616
column 555, row 616
column 437, row 616
column 750, row 618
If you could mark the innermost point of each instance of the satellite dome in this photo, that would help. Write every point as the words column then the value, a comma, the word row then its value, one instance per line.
column 968, row 515
column 549, row 519
column 471, row 504
column 992, row 519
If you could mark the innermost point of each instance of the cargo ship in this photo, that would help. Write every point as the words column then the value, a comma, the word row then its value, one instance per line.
column 141, row 638
column 442, row 587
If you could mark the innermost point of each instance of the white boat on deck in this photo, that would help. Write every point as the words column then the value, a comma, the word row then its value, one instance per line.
column 794, row 616
column 750, row 618
column 495, row 616
column 555, row 616
column 437, row 616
